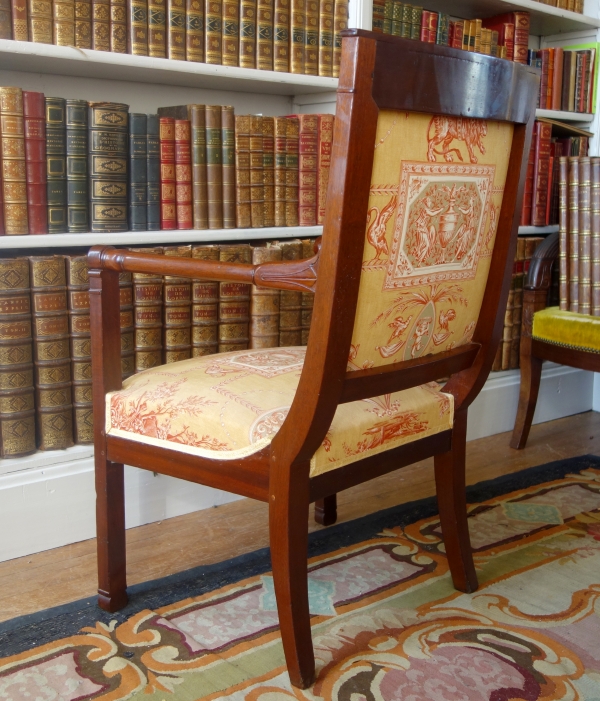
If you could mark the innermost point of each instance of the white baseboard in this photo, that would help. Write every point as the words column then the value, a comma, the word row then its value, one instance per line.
column 47, row 499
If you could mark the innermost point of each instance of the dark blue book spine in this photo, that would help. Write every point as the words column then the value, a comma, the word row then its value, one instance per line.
column 153, row 173
column 138, row 182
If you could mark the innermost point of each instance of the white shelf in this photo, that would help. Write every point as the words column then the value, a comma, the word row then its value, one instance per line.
column 539, row 230
column 66, row 60
column 562, row 116
column 128, row 238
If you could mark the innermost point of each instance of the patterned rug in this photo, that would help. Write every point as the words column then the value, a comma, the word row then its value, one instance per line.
column 387, row 624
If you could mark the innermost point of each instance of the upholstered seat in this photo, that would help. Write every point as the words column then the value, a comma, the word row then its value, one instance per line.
column 567, row 329
column 232, row 404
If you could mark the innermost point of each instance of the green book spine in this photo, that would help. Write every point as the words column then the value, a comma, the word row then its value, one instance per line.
column 200, row 195
column 311, row 54
column 77, row 167
column 388, row 16
column 264, row 34
column 153, row 173
column 56, row 160
column 138, row 180
column 406, row 21
column 415, row 27
column 212, row 24
column 228, row 166
column 195, row 30
column 214, row 167
column 397, row 18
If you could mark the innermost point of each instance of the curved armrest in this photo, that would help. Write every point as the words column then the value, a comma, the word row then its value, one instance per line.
column 288, row 275
column 539, row 275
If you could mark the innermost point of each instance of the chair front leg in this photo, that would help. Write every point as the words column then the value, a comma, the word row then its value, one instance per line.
column 326, row 510
column 450, row 488
column 288, row 527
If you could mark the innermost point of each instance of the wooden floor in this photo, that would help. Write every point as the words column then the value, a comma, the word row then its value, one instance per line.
column 66, row 574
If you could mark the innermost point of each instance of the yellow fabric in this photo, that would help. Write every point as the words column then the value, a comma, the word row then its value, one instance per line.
column 435, row 197
column 231, row 405
column 567, row 329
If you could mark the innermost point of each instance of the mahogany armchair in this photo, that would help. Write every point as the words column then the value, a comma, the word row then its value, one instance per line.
column 419, row 236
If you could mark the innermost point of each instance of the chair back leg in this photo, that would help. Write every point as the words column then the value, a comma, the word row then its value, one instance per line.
column 326, row 510
column 531, row 373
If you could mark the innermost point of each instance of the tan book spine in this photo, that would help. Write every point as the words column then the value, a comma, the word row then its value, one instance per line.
column 17, row 20
column 137, row 28
column 563, row 227
column 573, row 234
column 101, row 25
column 231, row 32
column 157, row 28
column 228, row 165
column 199, row 182
column 325, row 142
column 518, row 280
column 585, row 236
column 234, row 302
column 291, row 171
column 257, row 188
column 595, row 236
column 290, row 305
column 212, row 27
column 242, row 171
column 205, row 307
column 214, row 167
column 14, row 181
column 83, row 24
column 280, row 169
column 311, row 55
column 39, row 19
column 183, row 174
column 507, row 333
column 148, row 316
column 340, row 22
column 264, row 35
column 195, row 30
column 127, row 324
column 17, row 405
column 247, row 53
column 268, row 125
column 307, row 169
column 281, row 36
column 308, row 298
column 297, row 35
column 176, row 37
column 63, row 16
column 118, row 26
column 264, row 304
column 326, row 11
column 177, row 327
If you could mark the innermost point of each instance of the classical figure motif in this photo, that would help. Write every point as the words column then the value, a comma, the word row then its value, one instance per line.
column 446, row 129
column 376, row 230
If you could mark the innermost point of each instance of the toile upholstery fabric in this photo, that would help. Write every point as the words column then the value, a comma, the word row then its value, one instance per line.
column 434, row 203
column 230, row 405
column 568, row 329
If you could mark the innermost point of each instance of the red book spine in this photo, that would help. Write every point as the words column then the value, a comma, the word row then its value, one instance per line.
column 581, row 107
column 183, row 174
column 541, row 173
column 325, row 142
column 549, row 190
column 424, row 36
column 528, row 194
column 457, row 37
column 307, row 167
column 168, row 209
column 34, row 114
column 558, row 78
column 548, row 103
column 2, row 231
column 451, row 33
column 522, row 24
column 543, row 54
column 433, row 25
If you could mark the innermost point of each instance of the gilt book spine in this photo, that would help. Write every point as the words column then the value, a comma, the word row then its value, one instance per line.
column 199, row 183
column 214, row 166
column 52, row 354
column 212, row 27
column 280, row 169
column 291, row 171
column 264, row 34
column 108, row 160
column 585, row 236
column 127, row 324
column 176, row 36
column 297, row 35
column 157, row 28
column 153, row 173
column 340, row 22
column 563, row 228
column 118, row 26
column 595, row 236
column 257, row 185
column 308, row 298
column 247, row 50
column 14, row 171
column 101, row 25
column 517, row 309
column 83, row 24
column 234, row 302
column 326, row 10
column 311, row 46
column 264, row 303
column 81, row 348
column 148, row 316
column 228, row 165
column 168, row 202
column 78, row 221
column 541, row 173
column 242, row 171
column 307, row 169
column 183, row 174
column 205, row 307
column 137, row 27
column 527, row 206
column 2, row 231
column 290, row 305
column 138, row 172
column 268, row 128
column 573, row 174
column 177, row 328
column 17, row 405
column 34, row 112
column 379, row 17
column 230, row 32
column 281, row 36
column 16, row 13
column 396, row 24
column 325, row 134
column 194, row 33
column 39, row 20
column 63, row 20
column 56, row 157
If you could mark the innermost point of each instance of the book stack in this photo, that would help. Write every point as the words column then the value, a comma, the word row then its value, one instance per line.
column 567, row 80
column 75, row 166
column 264, row 34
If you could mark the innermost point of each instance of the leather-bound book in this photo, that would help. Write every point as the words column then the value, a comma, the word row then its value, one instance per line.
column 406, row 20
column 101, row 25
column 157, row 28
column 247, row 53
column 268, row 129
column 194, row 33
column 383, row 15
column 307, row 169
column 14, row 179
column 212, row 25
column 242, row 171
column 127, row 325
column 541, row 173
column 214, row 169
column 153, row 173
column 311, row 37
column 257, row 186
column 264, row 303
column 517, row 307
column 177, row 295
column 2, row 231
column 183, row 174
column 137, row 27
column 595, row 236
column 280, row 169
column 297, row 35
column 34, row 113
column 17, row 405
column 118, row 26
column 573, row 194
column 108, row 159
column 83, row 24
column 290, row 305
column 56, row 159
column 544, row 55
column 528, row 193
column 52, row 355
column 396, row 28
column 281, row 36
column 228, row 165
column 205, row 307
column 148, row 316
column 326, row 10
column 138, row 167
column 39, row 21
column 199, row 174
column 81, row 348
column 508, row 324
column 585, row 236
column 264, row 34
column 308, row 298
column 63, row 18
column 230, row 28
column 15, row 13
column 176, row 39
column 521, row 23
column 563, row 228
column 168, row 205
column 234, row 302
column 340, row 22
column 291, row 171
column 78, row 220
column 325, row 142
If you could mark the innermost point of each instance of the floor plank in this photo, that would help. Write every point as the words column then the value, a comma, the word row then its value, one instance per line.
column 66, row 574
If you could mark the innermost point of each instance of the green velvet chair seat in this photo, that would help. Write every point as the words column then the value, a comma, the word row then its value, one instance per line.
column 567, row 329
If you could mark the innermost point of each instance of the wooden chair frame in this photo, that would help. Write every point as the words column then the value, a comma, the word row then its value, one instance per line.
column 378, row 72
column 534, row 351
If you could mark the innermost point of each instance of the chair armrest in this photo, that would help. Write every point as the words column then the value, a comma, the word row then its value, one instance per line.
column 539, row 275
column 288, row 275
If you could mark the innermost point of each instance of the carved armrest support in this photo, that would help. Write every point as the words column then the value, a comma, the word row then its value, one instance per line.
column 540, row 268
column 288, row 275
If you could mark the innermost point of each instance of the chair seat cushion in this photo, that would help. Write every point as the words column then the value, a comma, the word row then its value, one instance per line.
column 230, row 405
column 568, row 329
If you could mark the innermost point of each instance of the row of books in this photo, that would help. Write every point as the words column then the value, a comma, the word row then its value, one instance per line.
column 297, row 36
column 73, row 166
column 567, row 80
column 540, row 200
column 45, row 346
column 571, row 5
column 503, row 36
column 579, row 227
